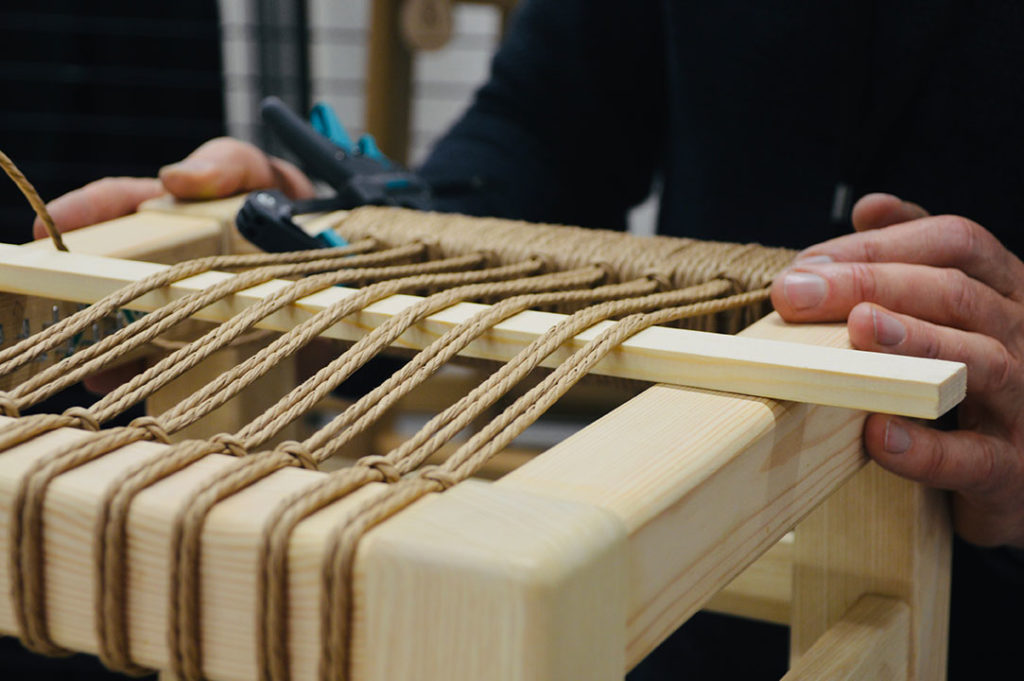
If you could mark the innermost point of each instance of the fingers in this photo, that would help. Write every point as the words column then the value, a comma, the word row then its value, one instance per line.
column 874, row 211
column 961, row 460
column 828, row 292
column 105, row 199
column 983, row 469
column 876, row 329
column 225, row 166
column 941, row 241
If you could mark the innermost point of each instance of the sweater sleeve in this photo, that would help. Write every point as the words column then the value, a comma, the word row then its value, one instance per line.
column 570, row 125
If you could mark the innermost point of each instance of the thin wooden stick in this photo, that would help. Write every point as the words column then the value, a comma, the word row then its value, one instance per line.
column 870, row 381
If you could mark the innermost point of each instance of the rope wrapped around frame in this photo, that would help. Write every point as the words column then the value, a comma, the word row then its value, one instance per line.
column 593, row 275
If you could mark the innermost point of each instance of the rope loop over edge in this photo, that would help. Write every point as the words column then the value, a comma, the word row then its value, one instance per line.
column 382, row 465
column 86, row 419
column 441, row 477
column 661, row 278
column 8, row 405
column 300, row 453
column 231, row 444
column 153, row 427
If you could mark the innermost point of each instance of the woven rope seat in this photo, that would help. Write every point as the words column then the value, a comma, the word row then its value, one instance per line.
column 242, row 554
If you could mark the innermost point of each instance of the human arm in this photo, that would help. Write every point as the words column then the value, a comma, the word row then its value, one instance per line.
column 943, row 287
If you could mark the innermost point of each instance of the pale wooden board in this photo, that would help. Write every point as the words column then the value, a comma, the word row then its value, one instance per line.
column 493, row 583
column 890, row 383
column 883, row 535
column 156, row 238
column 870, row 643
column 764, row 590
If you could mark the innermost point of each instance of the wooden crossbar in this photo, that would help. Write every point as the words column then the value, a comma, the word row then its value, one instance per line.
column 846, row 378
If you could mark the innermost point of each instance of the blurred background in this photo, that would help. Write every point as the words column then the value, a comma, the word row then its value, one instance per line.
column 114, row 87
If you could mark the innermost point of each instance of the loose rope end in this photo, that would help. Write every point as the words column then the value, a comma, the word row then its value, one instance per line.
column 34, row 199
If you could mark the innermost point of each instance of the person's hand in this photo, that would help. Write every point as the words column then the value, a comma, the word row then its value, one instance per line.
column 218, row 168
column 940, row 287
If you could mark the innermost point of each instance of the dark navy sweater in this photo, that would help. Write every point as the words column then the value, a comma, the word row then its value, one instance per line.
column 750, row 112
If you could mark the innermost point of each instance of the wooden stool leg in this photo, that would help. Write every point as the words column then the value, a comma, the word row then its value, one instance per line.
column 880, row 535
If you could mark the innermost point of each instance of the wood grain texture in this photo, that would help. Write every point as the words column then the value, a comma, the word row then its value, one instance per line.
column 764, row 590
column 878, row 534
column 493, row 583
column 747, row 365
column 870, row 643
column 704, row 482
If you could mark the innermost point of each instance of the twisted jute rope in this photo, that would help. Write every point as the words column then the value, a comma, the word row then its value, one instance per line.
column 111, row 526
column 185, row 358
column 75, row 367
column 36, row 201
column 406, row 458
column 229, row 384
column 26, row 536
column 272, row 589
column 28, row 349
column 336, row 608
column 643, row 267
column 113, row 571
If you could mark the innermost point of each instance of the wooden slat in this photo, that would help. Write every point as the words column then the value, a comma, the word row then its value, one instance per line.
column 878, row 534
column 890, row 383
column 870, row 643
column 764, row 590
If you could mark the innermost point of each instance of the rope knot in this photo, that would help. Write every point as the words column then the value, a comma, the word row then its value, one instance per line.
column 8, row 405
column 300, row 453
column 153, row 427
column 385, row 468
column 231, row 444
column 85, row 418
column 662, row 278
column 611, row 274
column 442, row 478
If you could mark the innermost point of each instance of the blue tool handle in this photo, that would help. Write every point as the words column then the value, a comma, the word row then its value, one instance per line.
column 321, row 157
column 325, row 122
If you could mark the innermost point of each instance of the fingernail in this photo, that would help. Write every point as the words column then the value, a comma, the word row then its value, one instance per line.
column 814, row 259
column 888, row 329
column 897, row 439
column 189, row 165
column 804, row 290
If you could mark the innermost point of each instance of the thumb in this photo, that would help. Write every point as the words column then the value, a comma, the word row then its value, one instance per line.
column 225, row 166
column 874, row 211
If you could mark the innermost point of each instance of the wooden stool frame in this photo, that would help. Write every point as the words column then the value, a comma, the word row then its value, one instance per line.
column 573, row 566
